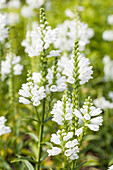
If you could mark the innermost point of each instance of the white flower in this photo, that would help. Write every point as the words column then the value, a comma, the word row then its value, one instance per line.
column 68, row 136
column 14, row 4
column 108, row 68
column 24, row 100
column 103, row 103
column 36, row 77
column 54, row 151
column 12, row 18
column 69, row 13
column 54, row 53
column 58, row 114
column 71, row 144
column 35, row 3
column 70, row 31
column 110, row 19
column 55, row 139
column 107, row 35
column 32, row 91
column 26, row 11
column 111, row 95
column 72, row 153
column 53, row 88
column 2, row 4
column 110, row 168
column 18, row 69
column 11, row 61
column 3, row 29
column 3, row 129
column 79, row 131
column 33, row 43
column 60, row 82
column 86, row 117
column 85, row 71
column 74, row 156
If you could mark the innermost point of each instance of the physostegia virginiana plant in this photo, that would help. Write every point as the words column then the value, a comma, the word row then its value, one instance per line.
column 73, row 121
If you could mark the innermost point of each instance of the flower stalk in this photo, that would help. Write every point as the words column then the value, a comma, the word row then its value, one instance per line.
column 40, row 137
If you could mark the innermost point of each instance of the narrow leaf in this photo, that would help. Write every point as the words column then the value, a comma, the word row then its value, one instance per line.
column 44, row 157
column 80, row 165
column 48, row 119
column 28, row 165
column 33, row 136
column 24, row 159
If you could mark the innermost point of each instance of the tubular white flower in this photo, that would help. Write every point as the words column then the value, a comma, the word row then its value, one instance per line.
column 3, row 29
column 79, row 131
column 110, row 168
column 2, row 4
column 32, row 91
column 33, row 43
column 74, row 156
column 71, row 144
column 85, row 71
column 107, row 35
column 54, row 53
column 54, row 151
column 111, row 95
column 24, row 100
column 110, row 19
column 55, row 139
column 103, row 103
column 108, row 68
column 85, row 117
column 14, row 4
column 11, row 61
column 3, row 129
column 58, row 114
column 60, row 82
column 70, row 31
column 68, row 136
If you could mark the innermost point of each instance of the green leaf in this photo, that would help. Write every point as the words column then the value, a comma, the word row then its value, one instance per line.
column 44, row 157
column 21, row 159
column 26, row 162
column 83, row 150
column 28, row 165
column 30, row 118
column 33, row 136
column 80, row 165
column 48, row 119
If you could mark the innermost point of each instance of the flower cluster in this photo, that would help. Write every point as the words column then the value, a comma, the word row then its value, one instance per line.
column 84, row 115
column 14, row 4
column 31, row 92
column 2, row 4
column 3, row 29
column 27, row 10
column 108, row 68
column 107, row 35
column 110, row 19
column 88, row 115
column 66, row 138
column 110, row 168
column 65, row 144
column 111, row 95
column 11, row 64
column 60, row 83
column 3, row 129
column 103, row 103
column 85, row 71
column 70, row 31
column 34, row 44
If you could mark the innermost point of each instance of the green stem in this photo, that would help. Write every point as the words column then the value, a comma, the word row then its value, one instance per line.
column 40, row 137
